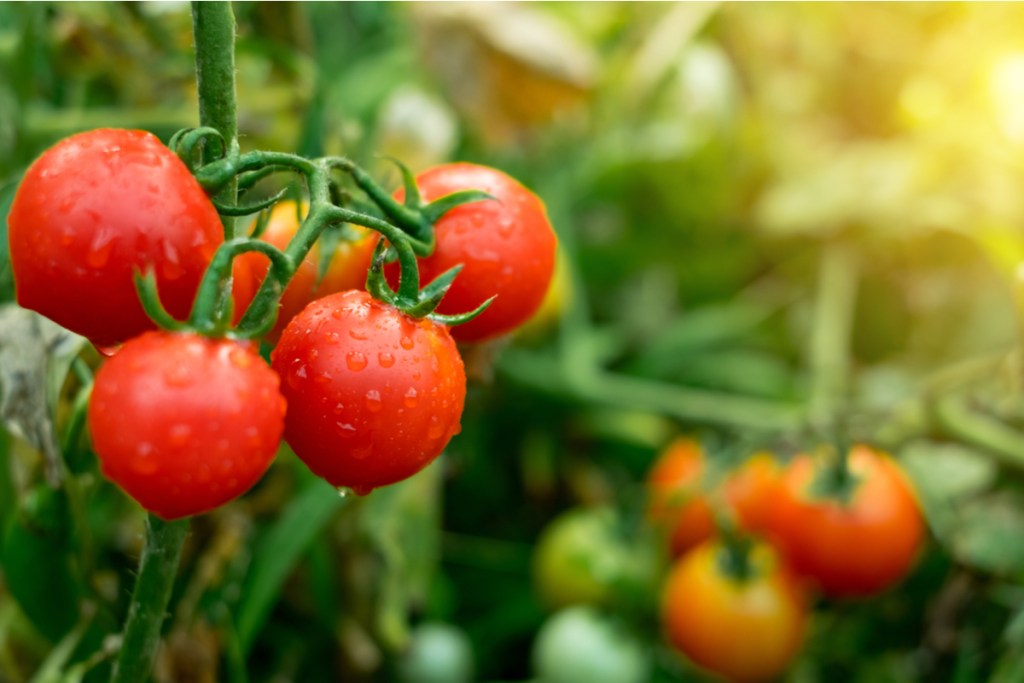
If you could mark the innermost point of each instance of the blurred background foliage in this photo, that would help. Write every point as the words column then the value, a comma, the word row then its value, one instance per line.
column 776, row 221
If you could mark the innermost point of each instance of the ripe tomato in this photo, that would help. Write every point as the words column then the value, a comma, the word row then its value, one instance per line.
column 852, row 549
column 184, row 423
column 679, row 497
column 90, row 211
column 374, row 396
column 507, row 248
column 744, row 629
column 346, row 270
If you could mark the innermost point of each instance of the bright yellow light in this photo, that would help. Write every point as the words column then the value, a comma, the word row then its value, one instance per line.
column 923, row 101
column 1006, row 86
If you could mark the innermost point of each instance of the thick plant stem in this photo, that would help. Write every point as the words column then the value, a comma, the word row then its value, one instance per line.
column 830, row 337
column 157, row 567
column 213, row 25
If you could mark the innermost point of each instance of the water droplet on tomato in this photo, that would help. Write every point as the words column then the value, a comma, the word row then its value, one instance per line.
column 178, row 376
column 108, row 351
column 99, row 250
column 406, row 342
column 338, row 408
column 373, row 402
column 338, row 313
column 385, row 359
column 170, row 267
column 240, row 358
column 355, row 361
column 345, row 430
column 344, row 491
column 505, row 226
column 361, row 335
column 436, row 430
column 361, row 490
column 179, row 434
column 361, row 453
column 410, row 399
column 297, row 374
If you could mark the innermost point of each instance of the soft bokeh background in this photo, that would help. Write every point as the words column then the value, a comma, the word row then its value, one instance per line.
column 738, row 189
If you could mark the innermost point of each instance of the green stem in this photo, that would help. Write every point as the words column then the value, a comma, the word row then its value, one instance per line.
column 830, row 336
column 157, row 567
column 213, row 25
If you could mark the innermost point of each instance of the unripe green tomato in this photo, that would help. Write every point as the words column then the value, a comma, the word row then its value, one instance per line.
column 438, row 653
column 581, row 645
column 578, row 558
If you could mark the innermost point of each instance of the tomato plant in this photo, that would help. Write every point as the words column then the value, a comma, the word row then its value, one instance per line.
column 94, row 209
column 345, row 270
column 506, row 246
column 679, row 494
column 374, row 395
column 850, row 544
column 184, row 423
column 743, row 623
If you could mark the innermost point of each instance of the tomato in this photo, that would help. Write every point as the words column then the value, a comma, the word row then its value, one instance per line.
column 679, row 496
column 374, row 395
column 580, row 644
column 507, row 248
column 850, row 549
column 579, row 557
column 744, row 629
column 346, row 270
column 438, row 653
column 93, row 209
column 184, row 423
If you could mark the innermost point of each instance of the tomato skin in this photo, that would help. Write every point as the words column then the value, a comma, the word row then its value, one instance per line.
column 745, row 631
column 507, row 248
column 679, row 503
column 90, row 211
column 374, row 396
column 347, row 269
column 852, row 550
column 184, row 423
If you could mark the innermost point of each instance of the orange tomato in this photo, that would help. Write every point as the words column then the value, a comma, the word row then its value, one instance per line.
column 679, row 496
column 746, row 629
column 854, row 548
column 347, row 268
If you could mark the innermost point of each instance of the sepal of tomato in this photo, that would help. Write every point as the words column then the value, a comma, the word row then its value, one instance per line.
column 94, row 209
column 184, row 424
column 506, row 246
column 746, row 629
column 855, row 547
column 374, row 395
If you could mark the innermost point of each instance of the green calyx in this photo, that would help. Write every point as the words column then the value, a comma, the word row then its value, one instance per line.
column 834, row 481
column 406, row 228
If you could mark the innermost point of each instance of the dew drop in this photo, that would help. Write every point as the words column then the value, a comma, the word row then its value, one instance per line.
column 338, row 408
column 108, row 351
column 410, row 399
column 179, row 434
column 361, row 335
column 345, row 430
column 344, row 491
column 505, row 226
column 361, row 453
column 436, row 430
column 170, row 267
column 406, row 342
column 373, row 402
column 385, row 359
column 240, row 358
column 99, row 251
column 338, row 313
column 355, row 361
column 296, row 374
column 361, row 490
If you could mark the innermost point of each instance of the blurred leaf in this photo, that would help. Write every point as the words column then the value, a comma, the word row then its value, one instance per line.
column 38, row 556
column 946, row 472
column 56, row 662
column 35, row 355
column 403, row 522
column 278, row 551
column 988, row 533
column 6, row 274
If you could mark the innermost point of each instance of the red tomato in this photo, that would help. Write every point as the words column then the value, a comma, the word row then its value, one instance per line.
column 346, row 270
column 184, row 423
column 90, row 211
column 374, row 396
column 507, row 248
column 853, row 549
column 679, row 498
column 744, row 629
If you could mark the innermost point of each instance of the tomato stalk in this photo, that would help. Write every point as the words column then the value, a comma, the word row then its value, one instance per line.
column 157, row 568
column 214, row 30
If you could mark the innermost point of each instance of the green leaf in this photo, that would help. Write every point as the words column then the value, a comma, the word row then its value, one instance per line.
column 6, row 274
column 988, row 533
column 277, row 554
column 37, row 564
column 945, row 472
column 35, row 355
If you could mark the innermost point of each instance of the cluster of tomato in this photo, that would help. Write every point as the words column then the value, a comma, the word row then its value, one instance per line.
column 363, row 393
column 736, row 603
